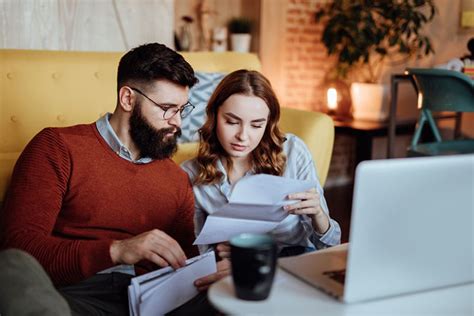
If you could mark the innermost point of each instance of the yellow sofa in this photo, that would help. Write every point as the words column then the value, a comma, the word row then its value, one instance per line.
column 57, row 88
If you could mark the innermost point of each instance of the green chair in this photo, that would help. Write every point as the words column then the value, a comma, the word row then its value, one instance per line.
column 440, row 90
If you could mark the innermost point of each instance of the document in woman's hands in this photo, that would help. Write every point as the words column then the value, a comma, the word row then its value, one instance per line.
column 255, row 206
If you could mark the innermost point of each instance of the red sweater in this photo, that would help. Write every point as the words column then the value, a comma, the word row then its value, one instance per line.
column 71, row 196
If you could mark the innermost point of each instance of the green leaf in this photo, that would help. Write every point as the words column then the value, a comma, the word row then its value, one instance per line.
column 357, row 29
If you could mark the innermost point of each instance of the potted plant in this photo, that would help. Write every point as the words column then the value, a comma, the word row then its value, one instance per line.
column 363, row 34
column 240, row 28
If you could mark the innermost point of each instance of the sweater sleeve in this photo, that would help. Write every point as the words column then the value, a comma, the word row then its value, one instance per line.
column 184, row 225
column 34, row 200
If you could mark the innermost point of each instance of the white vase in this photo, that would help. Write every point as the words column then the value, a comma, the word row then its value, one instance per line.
column 185, row 38
column 240, row 42
column 369, row 101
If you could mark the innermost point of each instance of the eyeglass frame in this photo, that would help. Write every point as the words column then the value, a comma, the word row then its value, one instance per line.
column 164, row 109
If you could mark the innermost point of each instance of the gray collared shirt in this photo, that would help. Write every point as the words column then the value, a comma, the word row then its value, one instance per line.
column 111, row 138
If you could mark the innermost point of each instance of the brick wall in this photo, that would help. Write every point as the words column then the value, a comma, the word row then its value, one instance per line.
column 305, row 68
column 306, row 62
column 342, row 161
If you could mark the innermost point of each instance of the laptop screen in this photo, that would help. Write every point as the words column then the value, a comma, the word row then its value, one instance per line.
column 411, row 226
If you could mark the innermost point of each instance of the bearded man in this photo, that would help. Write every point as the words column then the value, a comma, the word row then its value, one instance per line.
column 97, row 203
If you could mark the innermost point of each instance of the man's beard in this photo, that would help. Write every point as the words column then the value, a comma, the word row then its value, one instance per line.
column 151, row 141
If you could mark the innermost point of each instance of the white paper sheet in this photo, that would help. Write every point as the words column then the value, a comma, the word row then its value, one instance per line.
column 217, row 229
column 274, row 213
column 265, row 189
column 255, row 206
column 161, row 291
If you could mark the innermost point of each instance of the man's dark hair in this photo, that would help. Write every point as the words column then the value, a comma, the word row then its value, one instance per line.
column 154, row 61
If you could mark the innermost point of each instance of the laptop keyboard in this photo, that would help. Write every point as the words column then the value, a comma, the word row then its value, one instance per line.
column 337, row 275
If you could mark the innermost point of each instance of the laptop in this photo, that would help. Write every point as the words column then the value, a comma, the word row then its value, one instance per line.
column 411, row 230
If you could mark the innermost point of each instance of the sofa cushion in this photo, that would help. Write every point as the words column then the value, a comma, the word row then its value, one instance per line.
column 7, row 162
column 42, row 89
column 186, row 151
column 199, row 96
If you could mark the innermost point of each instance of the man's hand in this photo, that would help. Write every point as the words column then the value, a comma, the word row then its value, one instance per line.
column 223, row 250
column 155, row 246
column 223, row 269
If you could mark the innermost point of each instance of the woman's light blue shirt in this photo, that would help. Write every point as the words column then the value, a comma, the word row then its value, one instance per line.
column 294, row 230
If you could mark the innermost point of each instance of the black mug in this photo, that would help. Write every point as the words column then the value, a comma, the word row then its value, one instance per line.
column 253, row 258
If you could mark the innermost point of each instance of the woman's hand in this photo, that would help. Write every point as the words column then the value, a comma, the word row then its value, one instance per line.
column 223, row 250
column 309, row 204
column 223, row 270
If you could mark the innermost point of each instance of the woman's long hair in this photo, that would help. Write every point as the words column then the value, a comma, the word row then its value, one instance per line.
column 268, row 156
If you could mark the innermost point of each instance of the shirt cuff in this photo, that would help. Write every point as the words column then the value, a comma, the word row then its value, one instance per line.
column 330, row 238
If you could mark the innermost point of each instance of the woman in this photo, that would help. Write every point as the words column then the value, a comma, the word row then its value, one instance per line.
column 241, row 137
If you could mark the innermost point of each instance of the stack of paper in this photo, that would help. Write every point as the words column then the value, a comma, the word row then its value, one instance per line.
column 163, row 290
column 255, row 206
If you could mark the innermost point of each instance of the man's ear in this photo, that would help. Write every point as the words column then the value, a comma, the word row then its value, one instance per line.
column 126, row 99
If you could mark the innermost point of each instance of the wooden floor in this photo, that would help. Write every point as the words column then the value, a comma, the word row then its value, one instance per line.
column 339, row 199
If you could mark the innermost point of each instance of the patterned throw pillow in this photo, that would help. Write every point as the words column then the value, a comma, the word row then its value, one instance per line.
column 199, row 96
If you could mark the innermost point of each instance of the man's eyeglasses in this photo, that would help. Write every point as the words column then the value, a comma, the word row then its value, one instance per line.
column 169, row 111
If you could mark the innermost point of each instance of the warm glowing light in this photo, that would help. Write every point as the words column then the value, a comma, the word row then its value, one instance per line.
column 420, row 100
column 332, row 98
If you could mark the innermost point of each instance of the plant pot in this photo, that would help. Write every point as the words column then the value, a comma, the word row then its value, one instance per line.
column 240, row 42
column 369, row 101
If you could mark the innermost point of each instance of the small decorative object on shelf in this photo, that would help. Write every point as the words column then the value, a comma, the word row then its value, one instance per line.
column 185, row 39
column 219, row 39
column 469, row 68
column 338, row 99
column 468, row 60
column 332, row 100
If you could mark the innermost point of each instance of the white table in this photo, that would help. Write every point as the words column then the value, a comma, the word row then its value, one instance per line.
column 291, row 296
